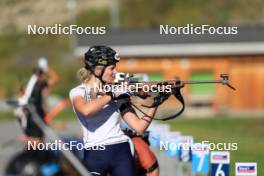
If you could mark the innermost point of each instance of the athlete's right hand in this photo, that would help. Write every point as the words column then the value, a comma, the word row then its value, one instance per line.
column 119, row 93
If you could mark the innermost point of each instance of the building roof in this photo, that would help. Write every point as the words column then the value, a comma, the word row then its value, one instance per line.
column 143, row 42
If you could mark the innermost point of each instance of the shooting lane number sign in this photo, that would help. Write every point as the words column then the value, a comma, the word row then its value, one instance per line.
column 172, row 139
column 200, row 158
column 185, row 145
column 156, row 132
column 220, row 163
column 246, row 169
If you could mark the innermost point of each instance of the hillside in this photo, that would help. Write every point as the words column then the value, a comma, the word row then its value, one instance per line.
column 17, row 14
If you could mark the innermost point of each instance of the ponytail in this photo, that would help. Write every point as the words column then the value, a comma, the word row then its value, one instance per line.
column 83, row 74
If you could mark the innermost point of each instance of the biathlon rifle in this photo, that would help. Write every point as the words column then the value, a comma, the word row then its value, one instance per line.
column 175, row 86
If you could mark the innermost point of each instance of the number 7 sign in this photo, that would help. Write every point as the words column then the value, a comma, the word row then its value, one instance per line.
column 200, row 158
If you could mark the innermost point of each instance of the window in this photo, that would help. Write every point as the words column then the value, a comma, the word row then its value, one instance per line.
column 156, row 77
column 201, row 96
column 203, row 88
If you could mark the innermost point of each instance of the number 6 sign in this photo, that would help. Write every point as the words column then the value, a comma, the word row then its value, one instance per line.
column 220, row 162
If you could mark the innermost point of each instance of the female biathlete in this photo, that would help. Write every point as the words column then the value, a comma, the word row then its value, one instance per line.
column 107, row 149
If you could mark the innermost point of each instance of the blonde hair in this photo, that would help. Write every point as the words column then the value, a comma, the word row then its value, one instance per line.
column 84, row 75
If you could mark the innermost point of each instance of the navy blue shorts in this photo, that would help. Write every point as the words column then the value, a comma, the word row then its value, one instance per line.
column 116, row 159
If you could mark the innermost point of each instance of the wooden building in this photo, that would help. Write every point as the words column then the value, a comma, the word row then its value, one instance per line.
column 191, row 57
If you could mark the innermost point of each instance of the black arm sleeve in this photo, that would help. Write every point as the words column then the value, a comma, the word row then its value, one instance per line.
column 126, row 107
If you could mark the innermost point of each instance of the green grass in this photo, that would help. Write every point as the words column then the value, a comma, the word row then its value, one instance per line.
column 247, row 132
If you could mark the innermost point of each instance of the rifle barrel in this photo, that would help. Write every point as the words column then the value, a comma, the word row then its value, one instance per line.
column 179, row 83
column 204, row 82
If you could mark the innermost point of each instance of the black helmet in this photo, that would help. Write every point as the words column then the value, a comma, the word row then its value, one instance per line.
column 100, row 55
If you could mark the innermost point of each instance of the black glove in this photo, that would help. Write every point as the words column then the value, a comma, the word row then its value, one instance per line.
column 119, row 94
